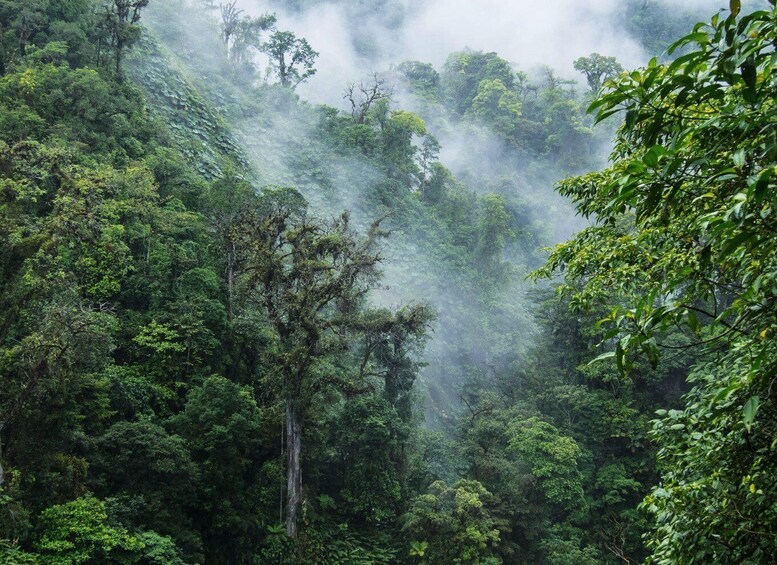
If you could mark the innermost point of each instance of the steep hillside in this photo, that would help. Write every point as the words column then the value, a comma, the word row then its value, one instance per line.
column 237, row 327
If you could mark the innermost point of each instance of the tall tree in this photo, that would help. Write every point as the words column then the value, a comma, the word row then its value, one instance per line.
column 597, row 69
column 249, row 36
column 453, row 524
column 230, row 21
column 363, row 97
column 120, row 23
column 685, row 237
column 310, row 277
column 291, row 58
column 242, row 33
column 228, row 202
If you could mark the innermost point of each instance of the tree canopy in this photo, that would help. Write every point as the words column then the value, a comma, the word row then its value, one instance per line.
column 684, row 238
column 237, row 327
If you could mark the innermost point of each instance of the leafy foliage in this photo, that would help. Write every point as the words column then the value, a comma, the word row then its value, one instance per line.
column 291, row 58
column 455, row 522
column 179, row 347
column 78, row 532
column 684, row 239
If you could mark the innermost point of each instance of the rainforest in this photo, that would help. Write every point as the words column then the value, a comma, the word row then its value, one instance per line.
column 374, row 282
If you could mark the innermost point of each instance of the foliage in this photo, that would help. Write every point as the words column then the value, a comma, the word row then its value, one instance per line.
column 543, row 118
column 456, row 523
column 159, row 550
column 310, row 277
column 242, row 34
column 221, row 425
column 79, row 532
column 552, row 460
column 11, row 553
column 497, row 106
column 597, row 69
column 148, row 475
column 464, row 72
column 120, row 24
column 370, row 440
column 339, row 544
column 181, row 342
column 683, row 239
column 291, row 58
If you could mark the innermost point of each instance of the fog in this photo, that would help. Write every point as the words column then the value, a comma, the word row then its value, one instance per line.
column 354, row 38
column 354, row 41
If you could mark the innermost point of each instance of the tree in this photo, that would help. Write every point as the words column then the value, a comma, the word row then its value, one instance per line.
column 390, row 340
column 455, row 522
column 363, row 97
column 249, row 35
column 496, row 106
column 428, row 162
column 221, row 424
column 79, row 532
column 423, row 78
column 228, row 202
column 149, row 475
column 230, row 20
column 552, row 460
column 464, row 71
column 369, row 437
column 242, row 33
column 291, row 58
column 494, row 231
column 373, row 430
column 310, row 278
column 121, row 19
column 399, row 153
column 210, row 5
column 435, row 185
column 685, row 238
column 24, row 21
column 598, row 69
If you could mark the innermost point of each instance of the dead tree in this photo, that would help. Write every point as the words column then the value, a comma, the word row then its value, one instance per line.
column 230, row 21
column 363, row 97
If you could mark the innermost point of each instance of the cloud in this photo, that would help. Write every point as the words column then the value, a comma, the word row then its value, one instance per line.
column 356, row 38
column 554, row 32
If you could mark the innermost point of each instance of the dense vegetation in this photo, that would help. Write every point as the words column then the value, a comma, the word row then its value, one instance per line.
column 238, row 328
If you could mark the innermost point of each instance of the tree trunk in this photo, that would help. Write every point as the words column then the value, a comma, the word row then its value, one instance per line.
column 2, row 55
column 119, row 53
column 230, row 280
column 293, row 468
column 2, row 473
column 282, row 71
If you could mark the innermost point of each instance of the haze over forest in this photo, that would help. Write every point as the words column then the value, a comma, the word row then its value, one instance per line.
column 354, row 38
column 388, row 281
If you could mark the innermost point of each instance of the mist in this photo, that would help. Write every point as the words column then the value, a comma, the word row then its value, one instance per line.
column 354, row 40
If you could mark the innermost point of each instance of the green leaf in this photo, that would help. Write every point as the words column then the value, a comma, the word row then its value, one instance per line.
column 652, row 156
column 738, row 158
column 699, row 37
column 602, row 357
column 749, row 74
column 750, row 411
column 735, row 243
column 761, row 184
column 693, row 322
column 620, row 357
